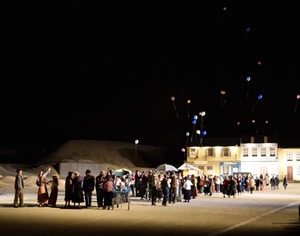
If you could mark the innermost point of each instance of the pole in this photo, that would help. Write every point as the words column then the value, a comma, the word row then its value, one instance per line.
column 135, row 146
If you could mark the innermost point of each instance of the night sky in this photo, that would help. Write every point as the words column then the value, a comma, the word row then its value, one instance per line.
column 113, row 78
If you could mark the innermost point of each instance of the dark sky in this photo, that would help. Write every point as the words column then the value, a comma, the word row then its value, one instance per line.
column 110, row 75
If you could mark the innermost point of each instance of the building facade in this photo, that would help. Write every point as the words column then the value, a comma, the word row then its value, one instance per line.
column 255, row 156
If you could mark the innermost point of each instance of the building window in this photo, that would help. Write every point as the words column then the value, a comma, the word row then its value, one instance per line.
column 193, row 152
column 225, row 170
column 254, row 151
column 225, row 152
column 272, row 151
column 297, row 156
column 289, row 156
column 210, row 170
column 263, row 151
column 210, row 152
column 245, row 152
column 201, row 168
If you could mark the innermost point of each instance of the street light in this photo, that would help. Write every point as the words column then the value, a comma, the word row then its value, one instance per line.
column 136, row 143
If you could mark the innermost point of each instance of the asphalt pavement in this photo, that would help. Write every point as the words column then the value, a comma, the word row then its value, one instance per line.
column 263, row 212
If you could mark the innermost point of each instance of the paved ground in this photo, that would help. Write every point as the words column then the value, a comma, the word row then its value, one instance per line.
column 273, row 212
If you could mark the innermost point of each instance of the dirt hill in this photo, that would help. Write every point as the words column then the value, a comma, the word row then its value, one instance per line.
column 119, row 154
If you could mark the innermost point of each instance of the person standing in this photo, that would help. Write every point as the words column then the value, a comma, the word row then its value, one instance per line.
column 285, row 182
column 43, row 195
column 68, row 189
column 108, row 192
column 187, row 188
column 88, row 187
column 131, row 183
column 165, row 189
column 100, row 180
column 54, row 191
column 77, row 189
column 19, row 189
column 174, row 188
column 154, row 186
column 252, row 184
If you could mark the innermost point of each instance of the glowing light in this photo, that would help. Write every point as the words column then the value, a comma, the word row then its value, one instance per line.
column 198, row 132
column 195, row 117
column 194, row 122
column 296, row 105
column 202, row 113
column 187, row 134
column 248, row 78
column 203, row 132
column 188, row 101
column 183, row 149
column 254, row 105
column 174, row 106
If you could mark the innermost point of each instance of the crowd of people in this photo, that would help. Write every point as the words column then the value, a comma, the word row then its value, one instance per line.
column 167, row 188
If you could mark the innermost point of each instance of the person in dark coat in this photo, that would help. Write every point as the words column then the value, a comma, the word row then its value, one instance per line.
column 54, row 191
column 88, row 187
column 165, row 189
column 68, row 189
column 100, row 180
column 19, row 188
column 77, row 189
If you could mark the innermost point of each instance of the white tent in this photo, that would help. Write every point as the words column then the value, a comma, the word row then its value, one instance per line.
column 186, row 166
column 166, row 168
column 188, row 169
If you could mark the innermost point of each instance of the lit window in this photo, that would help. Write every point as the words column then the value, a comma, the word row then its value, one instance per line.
column 225, row 170
column 245, row 152
column 193, row 153
column 225, row 152
column 254, row 151
column 272, row 151
column 289, row 156
column 297, row 156
column 210, row 152
column 210, row 170
column 263, row 151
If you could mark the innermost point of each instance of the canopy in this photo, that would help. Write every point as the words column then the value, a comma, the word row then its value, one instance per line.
column 187, row 166
column 166, row 168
